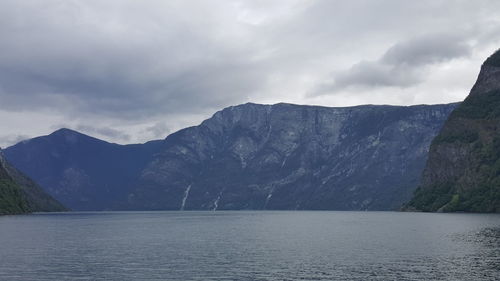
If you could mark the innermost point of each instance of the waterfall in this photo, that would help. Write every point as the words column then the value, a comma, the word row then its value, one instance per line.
column 216, row 203
column 268, row 198
column 186, row 194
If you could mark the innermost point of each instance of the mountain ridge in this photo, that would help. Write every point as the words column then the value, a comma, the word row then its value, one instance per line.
column 75, row 168
column 270, row 156
column 192, row 148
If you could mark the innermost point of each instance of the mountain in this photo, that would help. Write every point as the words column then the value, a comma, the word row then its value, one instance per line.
column 250, row 156
column 286, row 156
column 463, row 170
column 82, row 172
column 20, row 195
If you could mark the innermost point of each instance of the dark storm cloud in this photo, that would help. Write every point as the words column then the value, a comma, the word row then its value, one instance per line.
column 402, row 65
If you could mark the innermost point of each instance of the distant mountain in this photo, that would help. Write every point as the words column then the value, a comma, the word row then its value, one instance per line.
column 19, row 194
column 82, row 172
column 250, row 156
column 288, row 156
column 463, row 171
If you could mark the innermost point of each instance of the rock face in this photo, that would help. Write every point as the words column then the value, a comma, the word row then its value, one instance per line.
column 249, row 156
column 82, row 172
column 463, row 170
column 19, row 194
column 288, row 156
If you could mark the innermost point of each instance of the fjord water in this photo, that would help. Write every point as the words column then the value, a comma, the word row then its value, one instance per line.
column 250, row 245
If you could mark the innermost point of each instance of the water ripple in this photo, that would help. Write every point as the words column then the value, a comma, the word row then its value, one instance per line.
column 267, row 246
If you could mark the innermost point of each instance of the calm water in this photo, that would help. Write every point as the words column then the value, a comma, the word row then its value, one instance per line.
column 250, row 246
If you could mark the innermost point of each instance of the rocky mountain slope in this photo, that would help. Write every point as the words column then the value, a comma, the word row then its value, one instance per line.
column 250, row 156
column 463, row 171
column 82, row 172
column 288, row 156
column 19, row 194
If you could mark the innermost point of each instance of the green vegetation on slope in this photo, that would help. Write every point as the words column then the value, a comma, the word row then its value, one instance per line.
column 37, row 199
column 11, row 198
column 444, row 197
column 477, row 189
column 485, row 106
column 463, row 171
column 20, row 195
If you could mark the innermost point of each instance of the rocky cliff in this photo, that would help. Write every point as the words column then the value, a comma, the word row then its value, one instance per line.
column 250, row 156
column 463, row 170
column 288, row 156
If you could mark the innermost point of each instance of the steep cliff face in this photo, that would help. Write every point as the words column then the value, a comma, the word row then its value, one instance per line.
column 463, row 170
column 250, row 156
column 19, row 194
column 287, row 156
column 82, row 172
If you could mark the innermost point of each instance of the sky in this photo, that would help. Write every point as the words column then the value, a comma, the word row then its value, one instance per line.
column 130, row 71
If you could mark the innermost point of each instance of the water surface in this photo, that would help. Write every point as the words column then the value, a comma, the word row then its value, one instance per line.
column 250, row 246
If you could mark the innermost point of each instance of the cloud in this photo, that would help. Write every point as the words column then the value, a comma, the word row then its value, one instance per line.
column 158, row 130
column 402, row 65
column 130, row 65
column 429, row 49
column 12, row 139
column 122, row 58
column 106, row 132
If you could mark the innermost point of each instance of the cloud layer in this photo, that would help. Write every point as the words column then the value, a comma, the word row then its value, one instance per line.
column 402, row 65
column 142, row 69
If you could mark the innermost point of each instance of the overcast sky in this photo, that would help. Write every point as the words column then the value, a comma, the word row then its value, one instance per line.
column 129, row 71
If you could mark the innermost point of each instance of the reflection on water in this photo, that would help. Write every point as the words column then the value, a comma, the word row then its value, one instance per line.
column 489, row 237
column 486, row 254
column 250, row 246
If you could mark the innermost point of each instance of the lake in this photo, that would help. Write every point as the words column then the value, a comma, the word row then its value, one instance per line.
column 250, row 245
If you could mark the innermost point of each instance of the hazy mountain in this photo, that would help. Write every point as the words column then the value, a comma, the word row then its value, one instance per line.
column 82, row 172
column 19, row 194
column 288, row 156
column 463, row 171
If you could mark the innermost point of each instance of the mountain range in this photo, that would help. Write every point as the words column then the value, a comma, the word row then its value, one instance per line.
column 250, row 156
column 281, row 157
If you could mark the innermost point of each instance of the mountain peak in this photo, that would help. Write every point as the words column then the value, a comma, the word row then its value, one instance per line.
column 69, row 136
column 72, row 136
column 488, row 80
column 65, row 131
column 494, row 59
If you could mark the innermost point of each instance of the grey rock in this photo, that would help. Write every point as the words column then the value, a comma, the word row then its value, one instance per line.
column 250, row 156
column 286, row 156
